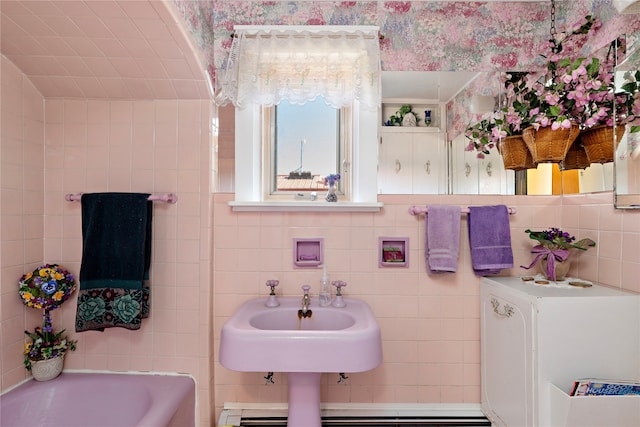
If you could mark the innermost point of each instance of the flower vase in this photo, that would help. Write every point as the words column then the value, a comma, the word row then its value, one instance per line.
column 331, row 193
column 48, row 369
column 427, row 117
column 561, row 269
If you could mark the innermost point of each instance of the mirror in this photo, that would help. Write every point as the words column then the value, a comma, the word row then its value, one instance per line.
column 464, row 97
column 627, row 155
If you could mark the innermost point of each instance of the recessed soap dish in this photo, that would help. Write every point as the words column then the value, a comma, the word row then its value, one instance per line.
column 307, row 252
column 393, row 252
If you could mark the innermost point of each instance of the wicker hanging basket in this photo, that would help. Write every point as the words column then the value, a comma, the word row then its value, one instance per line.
column 598, row 142
column 576, row 157
column 515, row 154
column 550, row 146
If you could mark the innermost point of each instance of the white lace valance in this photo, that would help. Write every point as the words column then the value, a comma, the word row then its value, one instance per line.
column 269, row 64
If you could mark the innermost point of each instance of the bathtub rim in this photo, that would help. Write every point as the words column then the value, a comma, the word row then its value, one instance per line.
column 99, row 371
column 129, row 373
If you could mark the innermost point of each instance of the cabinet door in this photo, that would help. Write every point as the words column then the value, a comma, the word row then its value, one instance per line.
column 493, row 178
column 467, row 172
column 507, row 359
column 394, row 163
column 428, row 164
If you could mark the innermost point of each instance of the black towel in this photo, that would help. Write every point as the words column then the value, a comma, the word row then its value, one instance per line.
column 116, row 257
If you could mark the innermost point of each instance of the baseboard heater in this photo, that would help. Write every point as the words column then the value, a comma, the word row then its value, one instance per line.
column 369, row 415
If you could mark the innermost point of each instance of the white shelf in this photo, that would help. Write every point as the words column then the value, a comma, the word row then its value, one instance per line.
column 418, row 106
column 407, row 129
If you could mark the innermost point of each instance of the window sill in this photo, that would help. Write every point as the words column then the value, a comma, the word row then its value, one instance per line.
column 306, row 206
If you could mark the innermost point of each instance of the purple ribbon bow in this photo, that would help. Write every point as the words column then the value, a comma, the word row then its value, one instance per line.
column 558, row 255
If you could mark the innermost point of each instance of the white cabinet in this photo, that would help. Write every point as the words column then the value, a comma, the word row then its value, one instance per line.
column 536, row 340
column 411, row 161
column 471, row 175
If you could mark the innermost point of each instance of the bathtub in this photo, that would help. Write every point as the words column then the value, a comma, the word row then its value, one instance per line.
column 101, row 400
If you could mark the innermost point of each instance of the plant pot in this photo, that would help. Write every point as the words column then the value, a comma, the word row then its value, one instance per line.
column 515, row 154
column 550, row 146
column 599, row 144
column 45, row 370
column 562, row 268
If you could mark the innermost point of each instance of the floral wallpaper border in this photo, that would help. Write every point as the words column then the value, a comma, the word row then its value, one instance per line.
column 418, row 35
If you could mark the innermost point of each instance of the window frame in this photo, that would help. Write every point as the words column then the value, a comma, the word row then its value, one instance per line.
column 362, row 166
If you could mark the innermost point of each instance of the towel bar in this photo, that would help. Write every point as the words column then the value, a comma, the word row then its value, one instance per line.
column 168, row 198
column 417, row 210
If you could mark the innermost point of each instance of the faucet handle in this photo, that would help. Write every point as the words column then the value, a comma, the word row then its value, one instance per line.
column 272, row 301
column 272, row 284
column 339, row 284
column 305, row 288
column 338, row 301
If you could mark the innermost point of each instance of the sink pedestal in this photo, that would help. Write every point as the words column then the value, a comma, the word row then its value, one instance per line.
column 304, row 399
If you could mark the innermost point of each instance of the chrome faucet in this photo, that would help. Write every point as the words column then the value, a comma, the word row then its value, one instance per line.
column 305, row 311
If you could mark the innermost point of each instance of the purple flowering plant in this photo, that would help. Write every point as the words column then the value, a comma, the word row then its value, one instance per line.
column 554, row 245
column 331, row 179
column 46, row 288
column 555, row 238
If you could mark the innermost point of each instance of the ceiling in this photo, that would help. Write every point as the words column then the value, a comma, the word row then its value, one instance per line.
column 101, row 49
column 432, row 85
column 123, row 49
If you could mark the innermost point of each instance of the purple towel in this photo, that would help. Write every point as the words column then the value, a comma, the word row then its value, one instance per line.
column 490, row 239
column 442, row 238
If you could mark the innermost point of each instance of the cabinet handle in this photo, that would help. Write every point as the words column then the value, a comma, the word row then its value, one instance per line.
column 467, row 169
column 507, row 312
column 489, row 169
column 427, row 167
column 398, row 166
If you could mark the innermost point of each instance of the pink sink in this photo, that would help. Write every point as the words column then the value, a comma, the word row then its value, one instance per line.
column 273, row 339
column 282, row 320
column 263, row 339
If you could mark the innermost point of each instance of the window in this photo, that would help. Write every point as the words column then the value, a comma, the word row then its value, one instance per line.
column 359, row 166
column 270, row 67
column 304, row 144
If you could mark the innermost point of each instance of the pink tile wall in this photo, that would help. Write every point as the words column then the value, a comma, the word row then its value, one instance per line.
column 430, row 324
column 91, row 146
column 139, row 146
column 21, row 208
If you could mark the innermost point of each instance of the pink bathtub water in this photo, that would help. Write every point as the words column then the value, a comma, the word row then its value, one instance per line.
column 101, row 400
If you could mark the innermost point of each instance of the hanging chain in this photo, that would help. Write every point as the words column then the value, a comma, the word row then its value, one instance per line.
column 553, row 19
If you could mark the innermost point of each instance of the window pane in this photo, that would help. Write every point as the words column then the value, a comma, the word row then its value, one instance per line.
column 306, row 145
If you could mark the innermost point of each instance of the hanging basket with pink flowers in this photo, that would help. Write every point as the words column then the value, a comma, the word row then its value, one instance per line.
column 515, row 154
column 600, row 143
column 576, row 157
column 549, row 145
